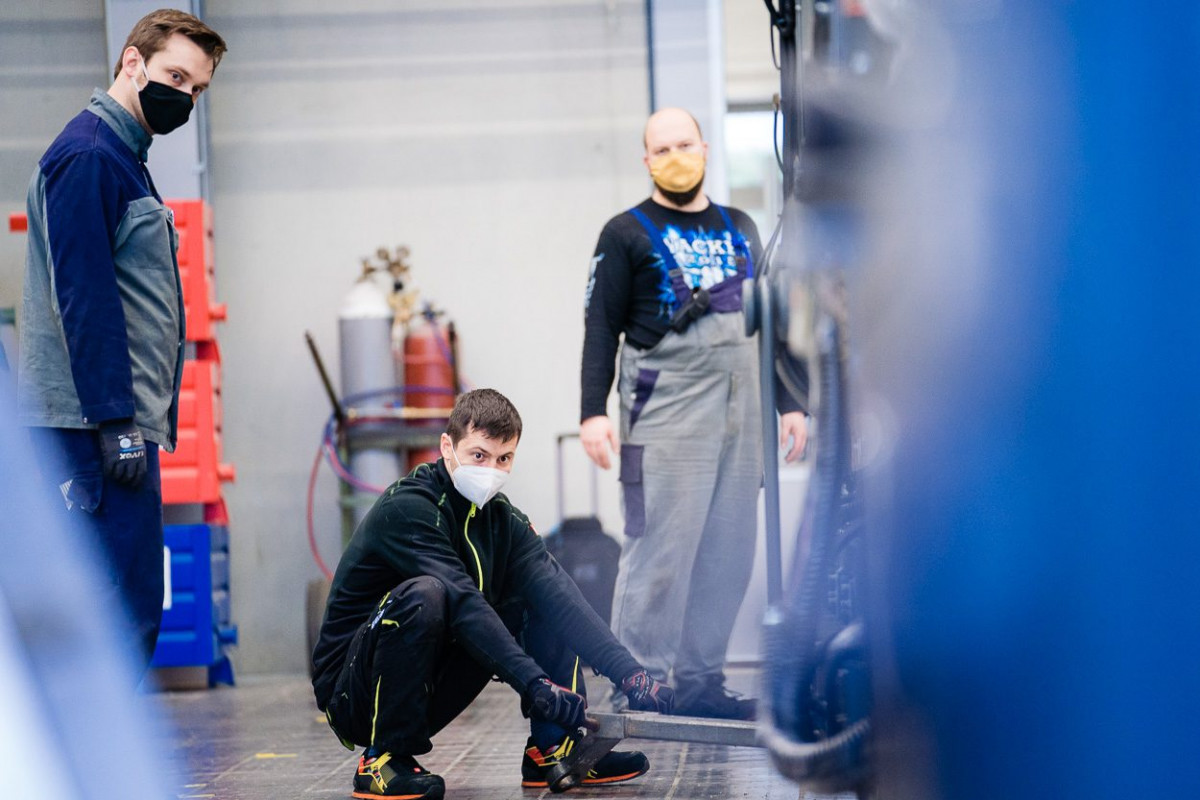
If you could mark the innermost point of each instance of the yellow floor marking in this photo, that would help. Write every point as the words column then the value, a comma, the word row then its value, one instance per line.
column 274, row 755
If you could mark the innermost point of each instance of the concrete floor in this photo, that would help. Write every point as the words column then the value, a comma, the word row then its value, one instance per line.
column 264, row 739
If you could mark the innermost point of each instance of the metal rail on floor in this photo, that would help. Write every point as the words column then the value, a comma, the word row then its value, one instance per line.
column 605, row 731
column 645, row 725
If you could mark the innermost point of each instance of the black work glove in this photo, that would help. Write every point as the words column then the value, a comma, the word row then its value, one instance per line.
column 123, row 451
column 552, row 703
column 647, row 694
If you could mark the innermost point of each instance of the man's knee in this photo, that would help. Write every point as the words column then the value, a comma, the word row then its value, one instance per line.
column 417, row 604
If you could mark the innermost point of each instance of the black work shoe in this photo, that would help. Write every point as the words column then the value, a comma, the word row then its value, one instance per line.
column 393, row 777
column 714, row 702
column 614, row 767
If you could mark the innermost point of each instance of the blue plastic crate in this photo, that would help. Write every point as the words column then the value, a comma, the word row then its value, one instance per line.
column 196, row 628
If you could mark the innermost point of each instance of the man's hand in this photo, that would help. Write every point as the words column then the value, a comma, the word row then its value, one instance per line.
column 598, row 436
column 647, row 694
column 793, row 425
column 123, row 451
column 552, row 703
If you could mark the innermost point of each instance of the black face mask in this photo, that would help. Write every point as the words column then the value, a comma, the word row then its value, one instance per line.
column 164, row 108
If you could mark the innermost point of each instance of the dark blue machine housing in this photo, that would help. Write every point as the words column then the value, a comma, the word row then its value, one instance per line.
column 1021, row 342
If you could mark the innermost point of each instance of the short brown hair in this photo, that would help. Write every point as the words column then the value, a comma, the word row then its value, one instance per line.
column 151, row 32
column 487, row 411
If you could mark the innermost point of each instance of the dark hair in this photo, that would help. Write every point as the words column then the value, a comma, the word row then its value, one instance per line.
column 151, row 32
column 486, row 411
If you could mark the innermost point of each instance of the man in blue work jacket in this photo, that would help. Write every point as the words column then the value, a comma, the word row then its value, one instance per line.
column 102, row 312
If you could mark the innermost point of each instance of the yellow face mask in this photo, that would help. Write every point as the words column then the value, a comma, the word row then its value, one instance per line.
column 678, row 171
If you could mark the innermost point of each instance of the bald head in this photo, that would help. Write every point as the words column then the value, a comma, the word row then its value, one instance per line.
column 670, row 123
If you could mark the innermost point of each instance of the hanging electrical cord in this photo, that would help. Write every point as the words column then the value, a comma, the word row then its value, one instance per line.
column 769, row 251
column 775, row 135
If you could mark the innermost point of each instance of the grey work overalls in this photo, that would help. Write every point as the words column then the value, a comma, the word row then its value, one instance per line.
column 691, row 470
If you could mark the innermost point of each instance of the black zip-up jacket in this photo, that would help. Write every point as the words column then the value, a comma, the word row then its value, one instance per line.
column 486, row 557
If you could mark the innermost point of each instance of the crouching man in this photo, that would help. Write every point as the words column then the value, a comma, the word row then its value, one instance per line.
column 444, row 585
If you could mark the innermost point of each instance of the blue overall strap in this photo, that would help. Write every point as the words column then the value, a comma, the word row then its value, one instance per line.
column 683, row 292
column 739, row 243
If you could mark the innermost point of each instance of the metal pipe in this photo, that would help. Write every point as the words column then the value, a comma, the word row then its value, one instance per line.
column 770, row 432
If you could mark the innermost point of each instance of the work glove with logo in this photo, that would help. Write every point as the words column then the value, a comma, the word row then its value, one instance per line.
column 550, row 702
column 123, row 451
column 647, row 694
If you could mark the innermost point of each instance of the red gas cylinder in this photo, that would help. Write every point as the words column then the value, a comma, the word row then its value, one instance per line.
column 429, row 374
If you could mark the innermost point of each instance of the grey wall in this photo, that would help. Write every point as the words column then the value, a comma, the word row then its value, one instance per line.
column 51, row 55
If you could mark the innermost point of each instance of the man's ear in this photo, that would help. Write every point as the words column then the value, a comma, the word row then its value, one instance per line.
column 446, row 446
column 131, row 61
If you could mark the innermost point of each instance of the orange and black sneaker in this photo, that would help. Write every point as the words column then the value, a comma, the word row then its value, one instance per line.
column 394, row 777
column 615, row 767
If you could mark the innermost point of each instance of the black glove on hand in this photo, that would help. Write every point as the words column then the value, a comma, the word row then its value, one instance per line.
column 552, row 703
column 123, row 451
column 647, row 694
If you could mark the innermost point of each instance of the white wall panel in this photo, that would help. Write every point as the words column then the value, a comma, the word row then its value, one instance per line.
column 51, row 56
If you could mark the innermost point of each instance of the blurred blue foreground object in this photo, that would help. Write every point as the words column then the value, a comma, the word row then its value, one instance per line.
column 1023, row 354
column 71, row 726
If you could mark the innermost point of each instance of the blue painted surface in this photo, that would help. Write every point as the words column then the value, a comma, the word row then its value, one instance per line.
column 197, row 627
column 1042, row 595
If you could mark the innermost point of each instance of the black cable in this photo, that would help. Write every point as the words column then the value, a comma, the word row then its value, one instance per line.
column 774, row 55
column 769, row 251
column 773, row 11
column 775, row 136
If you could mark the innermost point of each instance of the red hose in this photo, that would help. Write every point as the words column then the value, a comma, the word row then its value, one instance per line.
column 312, row 539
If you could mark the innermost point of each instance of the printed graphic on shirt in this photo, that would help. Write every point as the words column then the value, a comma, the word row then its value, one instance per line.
column 706, row 258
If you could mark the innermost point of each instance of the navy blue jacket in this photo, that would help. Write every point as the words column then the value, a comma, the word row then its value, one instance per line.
column 102, row 328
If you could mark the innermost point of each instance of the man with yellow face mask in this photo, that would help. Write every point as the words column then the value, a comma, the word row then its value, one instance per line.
column 667, row 275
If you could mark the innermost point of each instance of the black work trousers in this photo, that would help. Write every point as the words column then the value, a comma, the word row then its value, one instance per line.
column 404, row 679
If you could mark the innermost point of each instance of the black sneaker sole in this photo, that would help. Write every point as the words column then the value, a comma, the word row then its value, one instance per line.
column 432, row 793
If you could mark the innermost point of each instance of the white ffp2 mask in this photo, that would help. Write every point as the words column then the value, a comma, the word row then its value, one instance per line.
column 477, row 483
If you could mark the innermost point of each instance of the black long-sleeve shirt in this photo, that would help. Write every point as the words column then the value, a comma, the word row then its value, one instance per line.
column 484, row 557
column 630, row 294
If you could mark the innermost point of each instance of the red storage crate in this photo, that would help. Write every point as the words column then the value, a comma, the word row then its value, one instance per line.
column 194, row 472
column 193, row 221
